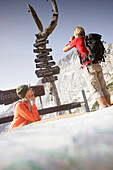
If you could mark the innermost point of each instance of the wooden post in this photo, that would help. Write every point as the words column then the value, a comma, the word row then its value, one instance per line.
column 41, row 102
column 40, row 44
column 85, row 101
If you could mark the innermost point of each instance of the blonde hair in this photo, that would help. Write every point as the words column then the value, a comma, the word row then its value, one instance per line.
column 79, row 31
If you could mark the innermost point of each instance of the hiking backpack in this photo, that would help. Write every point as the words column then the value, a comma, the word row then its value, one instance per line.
column 95, row 49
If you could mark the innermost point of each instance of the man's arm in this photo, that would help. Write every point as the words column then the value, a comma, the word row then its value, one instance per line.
column 68, row 47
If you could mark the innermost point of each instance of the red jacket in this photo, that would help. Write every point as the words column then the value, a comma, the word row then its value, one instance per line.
column 22, row 115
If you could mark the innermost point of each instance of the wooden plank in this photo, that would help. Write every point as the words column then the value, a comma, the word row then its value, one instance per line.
column 42, row 50
column 49, row 72
column 45, row 74
column 10, row 96
column 42, row 59
column 6, row 119
column 49, row 79
column 44, row 54
column 37, row 44
column 46, row 111
column 44, row 65
column 38, row 90
column 59, row 108
column 39, row 39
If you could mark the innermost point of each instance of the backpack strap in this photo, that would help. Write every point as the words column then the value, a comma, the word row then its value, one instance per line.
column 83, row 60
column 86, row 57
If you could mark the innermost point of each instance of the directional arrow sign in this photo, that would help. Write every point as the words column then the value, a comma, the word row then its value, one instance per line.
column 39, row 40
column 46, row 58
column 42, row 50
column 43, row 65
column 40, row 43
column 49, row 79
column 42, row 54
column 48, row 72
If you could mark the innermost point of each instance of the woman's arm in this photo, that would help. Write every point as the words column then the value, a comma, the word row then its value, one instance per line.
column 35, row 111
column 25, row 113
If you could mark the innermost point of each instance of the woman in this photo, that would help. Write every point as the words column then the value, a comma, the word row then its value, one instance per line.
column 25, row 110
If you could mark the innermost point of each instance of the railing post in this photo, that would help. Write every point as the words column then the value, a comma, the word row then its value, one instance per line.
column 41, row 102
column 85, row 101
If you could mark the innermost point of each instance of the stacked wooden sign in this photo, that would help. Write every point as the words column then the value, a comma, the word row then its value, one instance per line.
column 44, row 63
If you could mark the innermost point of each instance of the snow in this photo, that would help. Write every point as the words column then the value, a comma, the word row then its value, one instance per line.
column 81, row 141
column 3, row 108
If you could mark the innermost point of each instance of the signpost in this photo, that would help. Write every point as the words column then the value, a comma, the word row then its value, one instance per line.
column 44, row 67
column 45, row 70
column 10, row 96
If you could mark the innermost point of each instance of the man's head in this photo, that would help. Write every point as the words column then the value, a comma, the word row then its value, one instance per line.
column 79, row 31
column 22, row 90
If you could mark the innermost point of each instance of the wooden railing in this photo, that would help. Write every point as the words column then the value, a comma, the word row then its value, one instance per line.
column 9, row 96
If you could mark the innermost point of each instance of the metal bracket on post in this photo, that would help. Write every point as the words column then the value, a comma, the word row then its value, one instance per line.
column 85, row 101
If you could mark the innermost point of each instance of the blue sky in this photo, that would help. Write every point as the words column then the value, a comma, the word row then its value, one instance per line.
column 17, row 33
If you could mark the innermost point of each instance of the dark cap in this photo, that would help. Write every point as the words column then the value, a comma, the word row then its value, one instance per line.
column 22, row 90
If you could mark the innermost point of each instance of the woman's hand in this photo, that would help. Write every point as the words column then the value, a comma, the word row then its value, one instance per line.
column 32, row 97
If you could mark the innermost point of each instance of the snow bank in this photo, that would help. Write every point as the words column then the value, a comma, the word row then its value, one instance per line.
column 81, row 142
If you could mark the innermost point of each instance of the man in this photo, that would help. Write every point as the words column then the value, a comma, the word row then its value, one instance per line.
column 93, row 71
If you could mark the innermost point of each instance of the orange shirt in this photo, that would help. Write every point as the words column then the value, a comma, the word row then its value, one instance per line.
column 22, row 115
